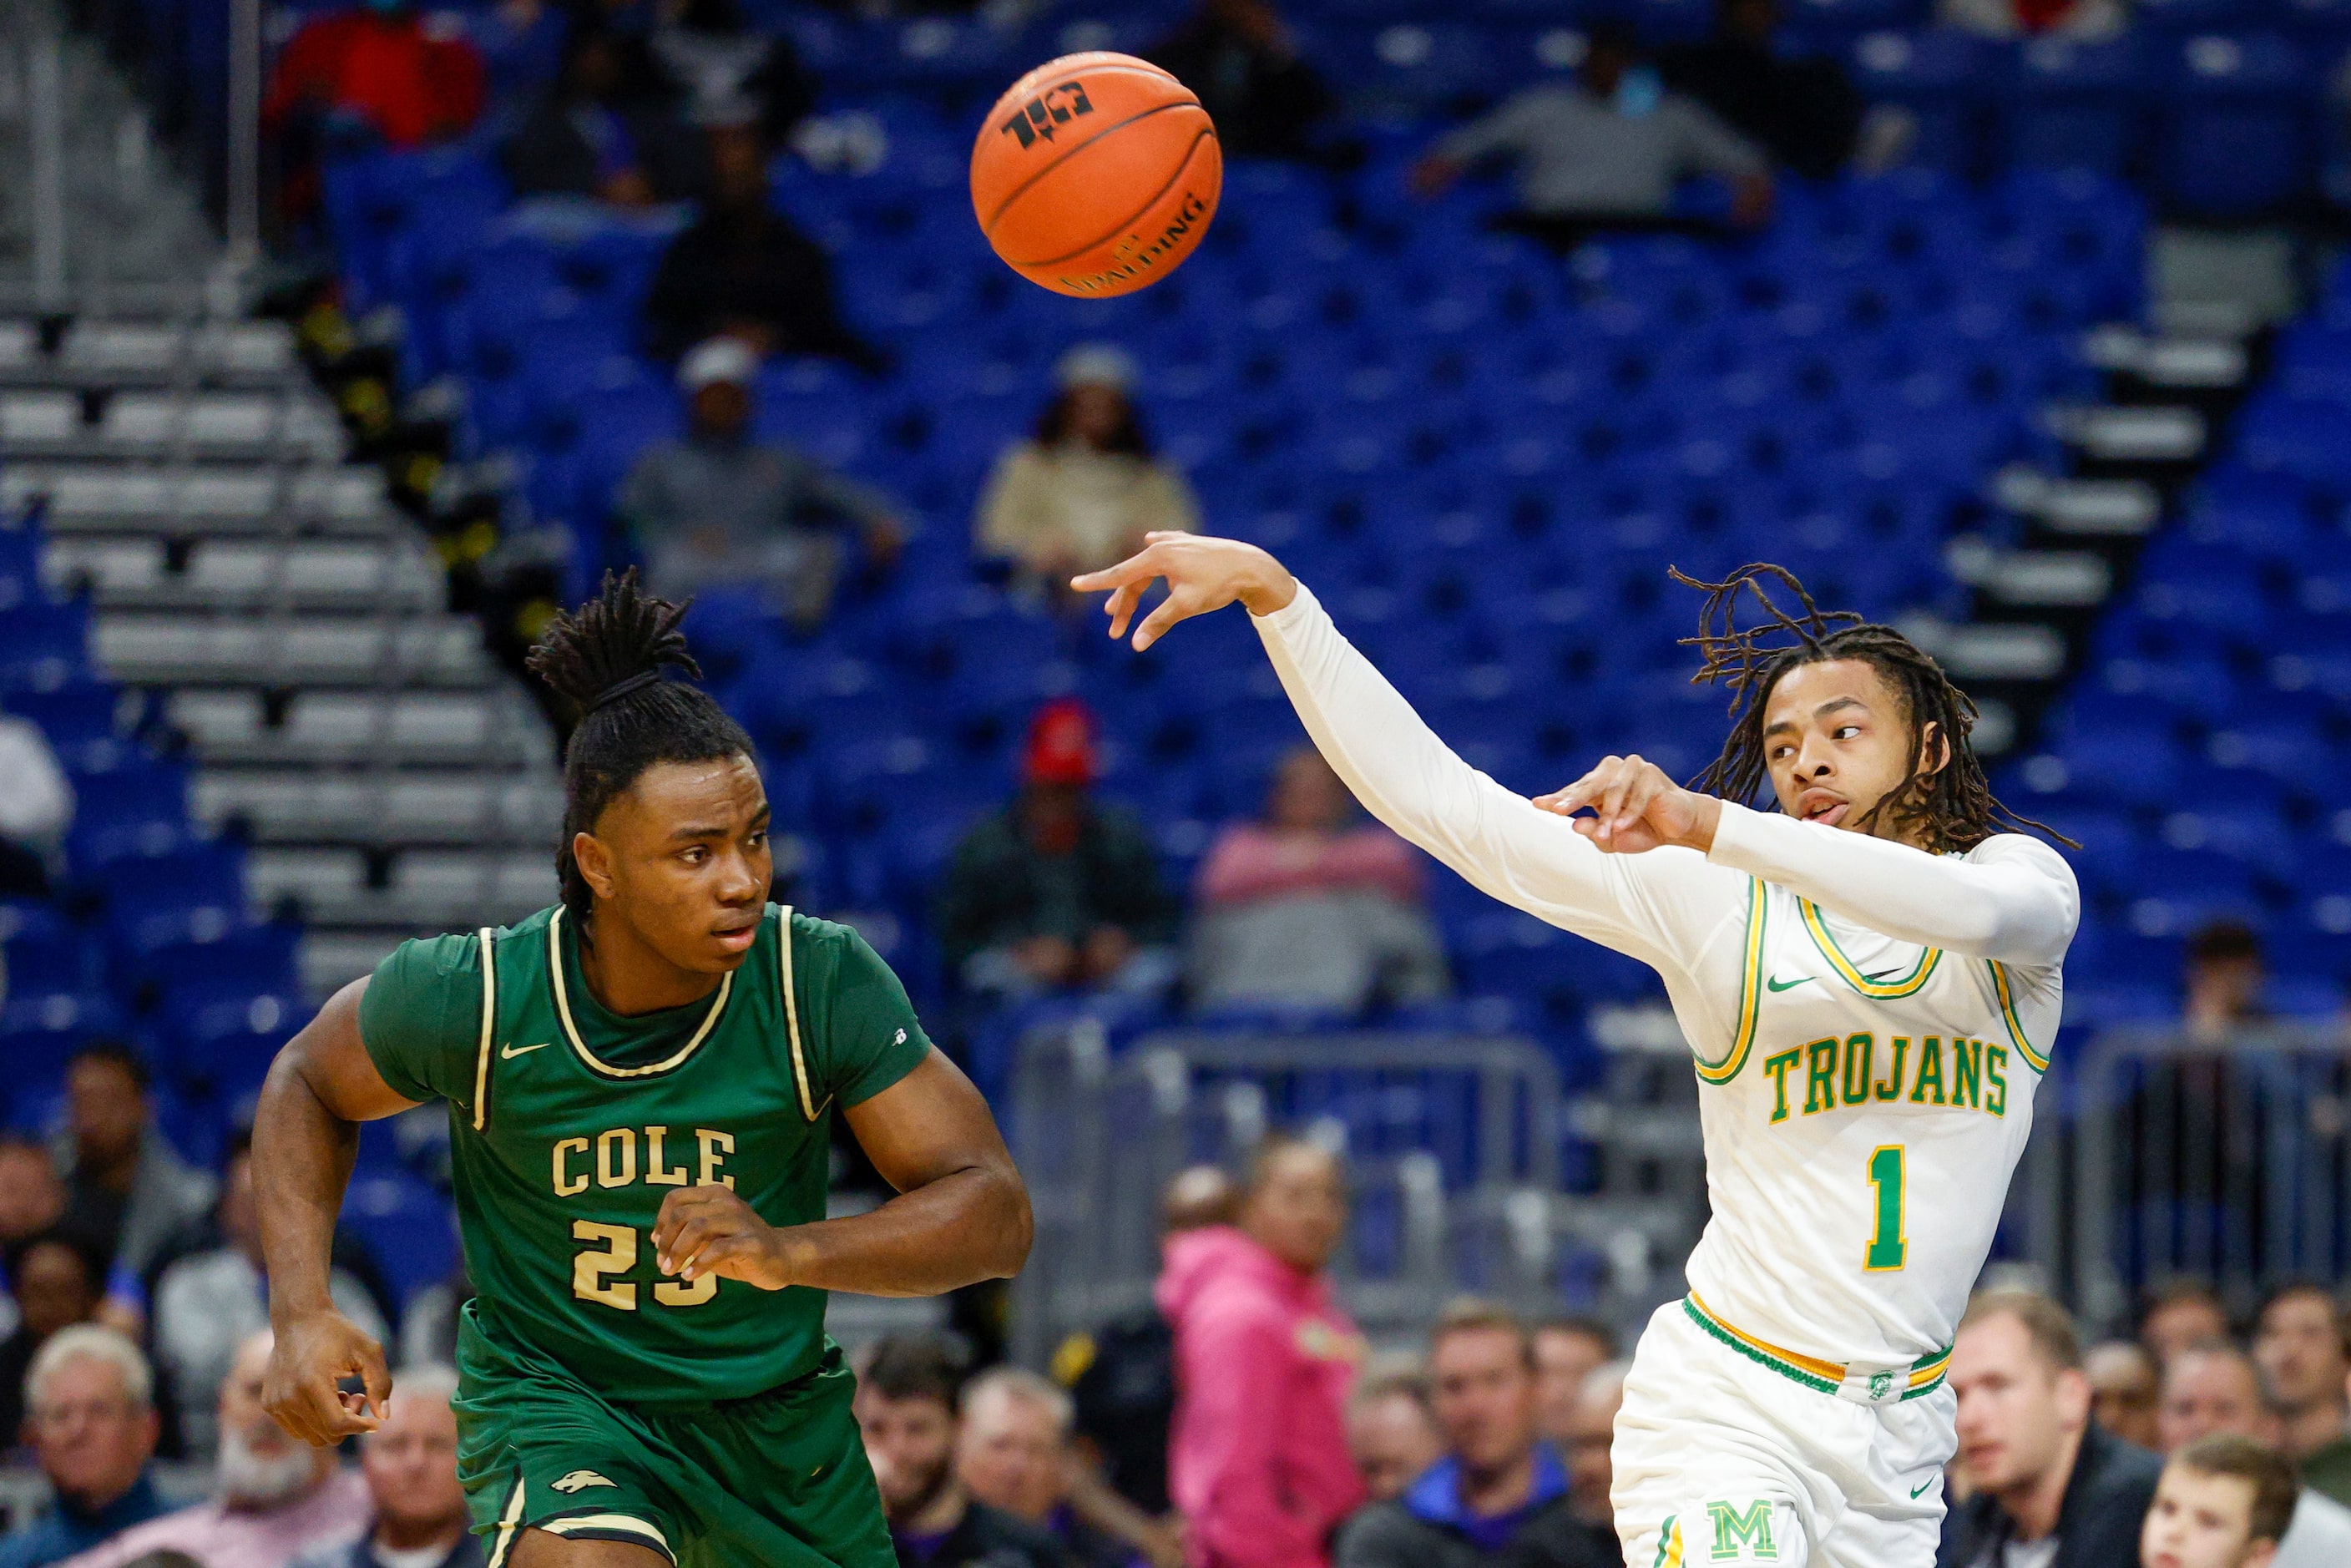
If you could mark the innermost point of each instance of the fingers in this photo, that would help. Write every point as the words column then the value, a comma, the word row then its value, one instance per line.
column 375, row 1377
column 1137, row 568
column 1155, row 626
column 1121, row 608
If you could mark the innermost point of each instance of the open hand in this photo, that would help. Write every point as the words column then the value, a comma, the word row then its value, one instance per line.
column 710, row 1231
column 1203, row 574
column 312, row 1354
column 1635, row 806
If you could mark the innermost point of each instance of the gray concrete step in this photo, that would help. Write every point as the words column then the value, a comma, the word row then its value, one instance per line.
column 199, row 499
column 383, row 808
column 492, row 726
column 161, row 648
column 424, row 890
column 283, row 427
column 143, row 573
column 120, row 353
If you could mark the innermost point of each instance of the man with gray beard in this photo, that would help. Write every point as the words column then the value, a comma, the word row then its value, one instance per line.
column 279, row 1497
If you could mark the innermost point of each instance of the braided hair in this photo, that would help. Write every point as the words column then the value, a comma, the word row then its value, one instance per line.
column 1949, row 808
column 607, row 659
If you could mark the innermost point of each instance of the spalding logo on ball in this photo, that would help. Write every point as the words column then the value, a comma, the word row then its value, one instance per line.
column 1096, row 174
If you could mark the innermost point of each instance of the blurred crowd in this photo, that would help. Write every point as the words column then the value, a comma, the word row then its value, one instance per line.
column 1240, row 1421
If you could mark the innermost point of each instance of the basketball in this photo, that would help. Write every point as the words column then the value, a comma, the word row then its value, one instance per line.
column 1096, row 174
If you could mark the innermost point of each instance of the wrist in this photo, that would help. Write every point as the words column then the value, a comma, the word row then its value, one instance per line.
column 1705, row 816
column 1268, row 588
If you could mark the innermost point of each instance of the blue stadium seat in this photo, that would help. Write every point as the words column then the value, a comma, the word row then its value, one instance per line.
column 2075, row 106
column 406, row 1227
column 2236, row 138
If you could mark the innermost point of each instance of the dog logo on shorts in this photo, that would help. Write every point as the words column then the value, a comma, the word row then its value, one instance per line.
column 1879, row 1383
column 580, row 1480
column 1741, row 1534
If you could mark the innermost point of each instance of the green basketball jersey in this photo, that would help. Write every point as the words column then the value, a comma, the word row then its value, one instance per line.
column 569, row 1125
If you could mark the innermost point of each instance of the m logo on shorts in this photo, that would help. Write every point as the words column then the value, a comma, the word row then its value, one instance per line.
column 1741, row 1535
column 580, row 1480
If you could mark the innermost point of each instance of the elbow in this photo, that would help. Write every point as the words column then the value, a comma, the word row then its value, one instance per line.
column 1016, row 1229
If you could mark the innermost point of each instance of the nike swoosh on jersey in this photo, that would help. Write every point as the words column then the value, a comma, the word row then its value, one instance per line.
column 508, row 1052
column 1777, row 984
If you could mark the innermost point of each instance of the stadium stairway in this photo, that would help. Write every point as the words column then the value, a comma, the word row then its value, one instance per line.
column 278, row 613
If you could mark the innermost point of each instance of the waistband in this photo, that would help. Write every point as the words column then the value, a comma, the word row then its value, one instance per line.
column 1862, row 1384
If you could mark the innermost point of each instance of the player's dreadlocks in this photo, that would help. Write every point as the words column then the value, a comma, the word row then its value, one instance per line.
column 607, row 657
column 1953, row 807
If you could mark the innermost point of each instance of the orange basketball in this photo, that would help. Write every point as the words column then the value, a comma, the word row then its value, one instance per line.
column 1095, row 174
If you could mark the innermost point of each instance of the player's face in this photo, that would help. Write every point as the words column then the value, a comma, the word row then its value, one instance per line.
column 682, row 857
column 1485, row 1396
column 2300, row 1349
column 2015, row 1410
column 1837, row 742
column 2200, row 1521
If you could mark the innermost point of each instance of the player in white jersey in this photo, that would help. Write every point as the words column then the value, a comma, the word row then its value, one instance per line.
column 1870, row 1010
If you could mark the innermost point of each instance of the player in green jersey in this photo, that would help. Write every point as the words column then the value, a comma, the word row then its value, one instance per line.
column 640, row 1082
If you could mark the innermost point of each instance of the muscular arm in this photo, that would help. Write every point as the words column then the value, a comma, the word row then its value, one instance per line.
column 961, row 1214
column 305, row 1137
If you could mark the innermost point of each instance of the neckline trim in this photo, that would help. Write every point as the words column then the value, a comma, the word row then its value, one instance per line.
column 571, row 1029
column 1826, row 940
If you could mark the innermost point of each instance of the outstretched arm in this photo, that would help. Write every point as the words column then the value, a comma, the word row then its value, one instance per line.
column 961, row 1214
column 1662, row 910
column 305, row 1137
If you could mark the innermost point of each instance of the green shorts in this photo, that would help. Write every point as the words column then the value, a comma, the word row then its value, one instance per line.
column 777, row 1479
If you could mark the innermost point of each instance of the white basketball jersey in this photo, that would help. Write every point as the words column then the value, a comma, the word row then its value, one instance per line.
column 1861, row 1124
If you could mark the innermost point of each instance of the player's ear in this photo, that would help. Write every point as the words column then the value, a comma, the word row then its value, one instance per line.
column 595, row 863
column 1933, row 749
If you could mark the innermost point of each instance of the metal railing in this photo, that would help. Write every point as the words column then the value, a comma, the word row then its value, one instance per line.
column 2157, row 1156
column 1452, row 1145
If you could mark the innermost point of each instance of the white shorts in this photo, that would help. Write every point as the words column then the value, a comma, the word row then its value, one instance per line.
column 1722, row 1458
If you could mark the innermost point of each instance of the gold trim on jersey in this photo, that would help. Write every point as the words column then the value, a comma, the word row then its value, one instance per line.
column 605, row 1526
column 809, row 1107
column 571, row 1031
column 1751, row 991
column 489, row 1028
column 509, row 1522
column 1886, row 990
column 1999, row 983
column 1923, row 1375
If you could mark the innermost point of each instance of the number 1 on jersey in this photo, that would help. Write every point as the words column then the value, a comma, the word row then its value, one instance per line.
column 1890, row 1243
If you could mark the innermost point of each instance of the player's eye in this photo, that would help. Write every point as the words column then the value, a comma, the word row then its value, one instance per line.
column 1846, row 731
column 694, row 855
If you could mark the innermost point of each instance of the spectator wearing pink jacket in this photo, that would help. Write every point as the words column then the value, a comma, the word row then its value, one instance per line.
column 1314, row 906
column 1265, row 1356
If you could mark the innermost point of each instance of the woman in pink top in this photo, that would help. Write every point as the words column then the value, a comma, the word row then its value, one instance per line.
column 1316, row 906
column 1257, row 1461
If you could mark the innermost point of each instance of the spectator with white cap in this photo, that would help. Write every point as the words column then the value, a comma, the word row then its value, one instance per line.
column 722, row 508
column 1081, row 491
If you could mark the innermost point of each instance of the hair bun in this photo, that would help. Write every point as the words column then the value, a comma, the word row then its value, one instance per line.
column 621, row 638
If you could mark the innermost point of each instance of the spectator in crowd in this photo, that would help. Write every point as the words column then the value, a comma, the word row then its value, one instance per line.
column 728, row 74
column 2223, row 980
column 32, row 1203
column 211, row 1303
column 1392, row 1429
column 1057, row 891
column 2222, row 1502
column 56, row 1284
column 2042, row 1474
column 1567, row 1352
column 276, row 1496
column 2084, row 21
column 2180, row 1313
column 2122, row 1381
column 128, row 1190
column 1316, row 906
column 1801, row 109
column 1265, row 1356
column 1589, row 1435
column 907, row 1409
column 90, row 1420
column 584, row 138
column 410, row 1465
column 1243, row 64
column 1500, row 1493
column 722, row 509
column 2215, row 1388
column 743, row 270
column 2298, row 1344
column 36, row 807
column 385, row 70
column 1081, row 491
column 1605, row 152
column 1123, row 1376
column 1014, row 1454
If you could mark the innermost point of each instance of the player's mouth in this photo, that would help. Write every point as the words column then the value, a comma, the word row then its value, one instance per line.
column 737, row 938
column 1819, row 805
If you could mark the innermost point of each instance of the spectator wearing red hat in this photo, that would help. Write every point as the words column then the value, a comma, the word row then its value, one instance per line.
column 1057, row 891
column 384, row 69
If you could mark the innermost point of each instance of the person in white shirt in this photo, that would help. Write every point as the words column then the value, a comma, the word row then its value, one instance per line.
column 1870, row 1010
column 2216, row 1390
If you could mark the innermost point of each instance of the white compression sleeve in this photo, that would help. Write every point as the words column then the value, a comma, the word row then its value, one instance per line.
column 1661, row 907
column 2012, row 898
